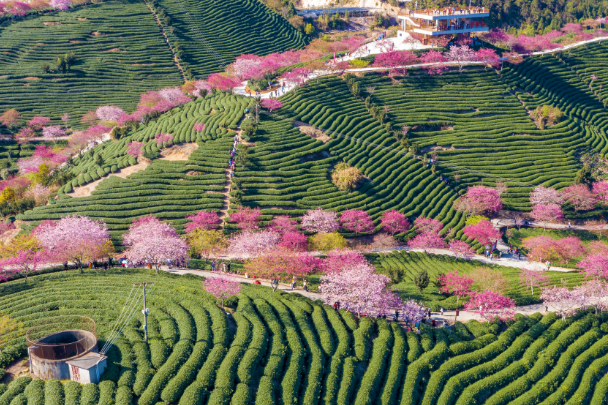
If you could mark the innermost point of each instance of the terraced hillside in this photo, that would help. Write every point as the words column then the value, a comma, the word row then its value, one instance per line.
column 212, row 34
column 395, row 180
column 402, row 267
column 120, row 54
column 169, row 189
column 282, row 348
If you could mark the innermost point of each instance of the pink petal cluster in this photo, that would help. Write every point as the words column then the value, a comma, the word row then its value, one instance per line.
column 74, row 238
column 600, row 189
column 135, row 148
column 543, row 248
column 53, row 131
column 60, row 4
column 163, row 138
column 454, row 283
column 252, row 244
column 174, row 96
column 222, row 288
column 222, row 81
column 198, row 127
column 294, row 241
column 92, row 134
column 428, row 234
column 25, row 261
column 38, row 122
column 155, row 242
column 318, row 220
column 201, row 88
column 580, row 197
column 533, row 278
column 29, row 165
column 461, row 249
column 108, row 113
column 395, row 59
column 435, row 62
column 544, row 195
column 296, row 76
column 595, row 265
column 563, row 300
column 394, row 222
column 488, row 56
column 483, row 231
column 283, row 224
column 491, row 305
column 356, row 221
column 246, row 218
column 547, row 213
column 272, row 104
column 205, row 220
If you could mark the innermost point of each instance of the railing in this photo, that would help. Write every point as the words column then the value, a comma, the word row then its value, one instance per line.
column 62, row 337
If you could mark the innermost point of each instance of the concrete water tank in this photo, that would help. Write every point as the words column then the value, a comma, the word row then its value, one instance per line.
column 53, row 342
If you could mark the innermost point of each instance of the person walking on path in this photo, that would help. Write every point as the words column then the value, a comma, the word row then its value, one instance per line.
column 305, row 285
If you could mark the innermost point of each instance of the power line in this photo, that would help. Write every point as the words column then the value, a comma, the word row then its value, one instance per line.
column 119, row 320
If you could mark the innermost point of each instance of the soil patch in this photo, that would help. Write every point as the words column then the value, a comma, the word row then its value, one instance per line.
column 97, row 34
column 32, row 78
column 115, row 50
column 434, row 148
column 18, row 368
column 9, row 235
column 51, row 23
column 3, row 77
column 181, row 151
column 86, row 190
column 76, row 40
column 312, row 132
column 81, row 19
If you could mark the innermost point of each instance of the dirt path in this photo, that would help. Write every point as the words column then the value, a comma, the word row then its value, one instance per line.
column 162, row 31
column 228, row 187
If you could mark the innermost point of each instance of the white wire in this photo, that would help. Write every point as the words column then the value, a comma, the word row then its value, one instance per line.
column 119, row 320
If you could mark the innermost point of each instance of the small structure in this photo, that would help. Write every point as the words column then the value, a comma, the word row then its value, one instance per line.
column 88, row 368
column 55, row 342
column 443, row 22
column 341, row 11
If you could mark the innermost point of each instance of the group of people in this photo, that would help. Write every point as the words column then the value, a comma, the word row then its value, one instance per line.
column 304, row 284
column 231, row 162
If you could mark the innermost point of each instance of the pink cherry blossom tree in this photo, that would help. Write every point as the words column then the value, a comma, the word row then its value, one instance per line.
column 595, row 293
column 533, row 278
column 272, row 104
column 479, row 200
column 163, row 138
column 283, row 224
column 205, row 220
column 222, row 81
column 563, row 300
column 174, row 96
column 595, row 265
column 10, row 118
column 356, row 221
column 38, row 122
column 396, row 59
column 461, row 249
column 199, row 127
column 413, row 311
column 222, row 288
column 246, row 218
column 580, row 197
column 201, row 88
column 545, row 249
column 150, row 241
column 296, row 76
column 600, row 190
column 252, row 244
column 428, row 234
column 75, row 238
column 337, row 260
column 247, row 67
column 318, row 220
column 394, row 222
column 491, row 305
column 109, row 113
column 53, row 131
column 488, row 57
column 435, row 62
column 66, row 119
column 135, row 148
column 460, row 55
column 545, row 196
column 26, row 261
column 283, row 264
column 60, row 4
column 547, row 213
column 454, row 283
column 358, row 288
column 293, row 240
column 483, row 231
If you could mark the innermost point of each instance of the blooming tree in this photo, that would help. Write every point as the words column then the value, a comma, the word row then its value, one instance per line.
column 358, row 288
column 318, row 220
column 483, row 231
column 272, row 104
column 454, row 283
column 283, row 224
column 595, row 265
column 337, row 260
column 356, row 221
column 545, row 196
column 174, row 96
column 580, row 197
column 199, row 127
column 428, row 234
column 25, row 261
column 547, row 213
column 563, row 300
column 60, row 4
column 413, row 311
column 491, row 305
column 600, row 190
column 163, row 138
column 222, row 288
column 594, row 292
column 135, row 148
column 65, row 118
column 394, row 222
column 533, row 278
column 247, row 67
column 293, row 240
column 543, row 248
column 395, row 59
column 253, row 244
column 205, row 220
column 296, row 76
column 488, row 57
column 205, row 242
column 246, row 218
column 53, row 131
column 75, row 238
column 39, row 192
column 479, row 200
column 460, row 55
column 154, row 242
column 283, row 264
column 109, row 113
column 461, row 249
column 38, row 122
column 488, row 279
column 435, row 62
column 222, row 81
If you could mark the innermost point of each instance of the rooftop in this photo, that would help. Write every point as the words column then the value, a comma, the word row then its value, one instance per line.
column 87, row 361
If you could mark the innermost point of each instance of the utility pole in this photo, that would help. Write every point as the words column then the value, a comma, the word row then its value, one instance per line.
column 145, row 311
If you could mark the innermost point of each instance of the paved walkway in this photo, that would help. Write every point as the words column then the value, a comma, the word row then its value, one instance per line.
column 499, row 223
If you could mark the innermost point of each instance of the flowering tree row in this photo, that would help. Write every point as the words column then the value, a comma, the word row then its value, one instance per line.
column 547, row 202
